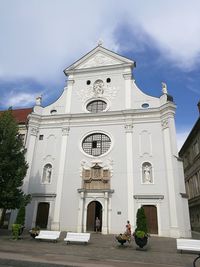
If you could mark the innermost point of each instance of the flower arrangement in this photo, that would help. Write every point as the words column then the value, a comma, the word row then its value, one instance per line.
column 34, row 231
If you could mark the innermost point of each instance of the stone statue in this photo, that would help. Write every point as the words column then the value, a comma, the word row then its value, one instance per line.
column 147, row 173
column 47, row 174
column 164, row 88
column 38, row 101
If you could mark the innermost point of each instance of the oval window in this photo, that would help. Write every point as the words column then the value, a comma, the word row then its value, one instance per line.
column 96, row 144
column 96, row 106
column 145, row 105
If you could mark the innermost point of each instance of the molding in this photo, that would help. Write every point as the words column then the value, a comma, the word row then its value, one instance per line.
column 51, row 195
column 148, row 196
column 109, row 191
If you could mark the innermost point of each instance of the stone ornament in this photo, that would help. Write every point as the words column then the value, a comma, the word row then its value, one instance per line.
column 165, row 124
column 98, row 61
column 98, row 88
column 147, row 173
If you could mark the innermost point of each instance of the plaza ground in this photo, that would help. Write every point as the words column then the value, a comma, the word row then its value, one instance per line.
column 101, row 251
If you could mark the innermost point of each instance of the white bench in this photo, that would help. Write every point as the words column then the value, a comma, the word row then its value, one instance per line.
column 189, row 245
column 77, row 237
column 48, row 235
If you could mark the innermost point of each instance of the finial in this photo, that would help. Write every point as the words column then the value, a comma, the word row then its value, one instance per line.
column 164, row 88
column 38, row 100
column 100, row 42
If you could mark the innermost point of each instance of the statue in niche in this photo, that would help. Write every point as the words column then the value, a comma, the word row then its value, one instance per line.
column 47, row 173
column 147, row 173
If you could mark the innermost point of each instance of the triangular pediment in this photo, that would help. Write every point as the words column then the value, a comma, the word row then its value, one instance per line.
column 98, row 58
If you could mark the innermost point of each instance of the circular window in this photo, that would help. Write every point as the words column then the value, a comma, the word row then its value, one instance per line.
column 96, row 106
column 145, row 105
column 108, row 80
column 96, row 144
column 88, row 82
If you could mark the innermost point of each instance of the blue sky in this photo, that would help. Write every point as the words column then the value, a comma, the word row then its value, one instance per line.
column 39, row 39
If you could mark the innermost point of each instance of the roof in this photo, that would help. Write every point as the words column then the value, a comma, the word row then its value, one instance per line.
column 20, row 114
column 193, row 132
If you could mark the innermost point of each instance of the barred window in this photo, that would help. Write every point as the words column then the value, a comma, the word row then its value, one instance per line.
column 96, row 106
column 96, row 144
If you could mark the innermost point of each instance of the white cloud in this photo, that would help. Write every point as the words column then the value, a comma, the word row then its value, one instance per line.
column 40, row 38
column 21, row 99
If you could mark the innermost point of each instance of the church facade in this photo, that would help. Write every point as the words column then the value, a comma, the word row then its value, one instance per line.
column 102, row 150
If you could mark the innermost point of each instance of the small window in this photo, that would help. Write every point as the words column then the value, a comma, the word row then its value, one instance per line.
column 108, row 80
column 96, row 106
column 88, row 82
column 41, row 136
column 53, row 111
column 145, row 105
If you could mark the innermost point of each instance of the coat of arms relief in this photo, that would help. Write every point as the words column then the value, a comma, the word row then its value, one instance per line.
column 96, row 175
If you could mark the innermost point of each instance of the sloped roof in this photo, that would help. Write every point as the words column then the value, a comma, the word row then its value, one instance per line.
column 20, row 114
column 97, row 58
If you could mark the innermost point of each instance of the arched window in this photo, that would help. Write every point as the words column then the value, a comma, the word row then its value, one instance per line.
column 47, row 173
column 147, row 177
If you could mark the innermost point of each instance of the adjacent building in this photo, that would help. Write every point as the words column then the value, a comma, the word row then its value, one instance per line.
column 190, row 153
column 104, row 149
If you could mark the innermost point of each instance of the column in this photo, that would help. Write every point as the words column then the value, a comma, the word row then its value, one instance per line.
column 80, row 212
column 128, row 82
column 170, row 178
column 56, row 218
column 29, row 156
column 105, row 214
column 70, row 83
column 129, row 165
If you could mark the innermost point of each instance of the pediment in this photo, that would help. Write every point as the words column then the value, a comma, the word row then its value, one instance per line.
column 98, row 57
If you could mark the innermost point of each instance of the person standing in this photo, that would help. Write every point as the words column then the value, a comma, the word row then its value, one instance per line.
column 97, row 224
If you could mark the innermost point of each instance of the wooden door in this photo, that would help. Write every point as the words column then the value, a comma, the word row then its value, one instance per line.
column 152, row 220
column 91, row 216
column 42, row 215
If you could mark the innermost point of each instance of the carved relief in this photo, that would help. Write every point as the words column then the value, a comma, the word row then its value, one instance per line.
column 96, row 175
column 129, row 128
column 65, row 131
column 98, row 89
column 34, row 131
column 98, row 61
column 165, row 124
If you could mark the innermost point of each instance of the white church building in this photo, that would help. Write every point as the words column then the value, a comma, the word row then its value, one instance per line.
column 104, row 149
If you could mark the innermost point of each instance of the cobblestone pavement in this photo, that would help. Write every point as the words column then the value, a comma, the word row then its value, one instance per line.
column 102, row 250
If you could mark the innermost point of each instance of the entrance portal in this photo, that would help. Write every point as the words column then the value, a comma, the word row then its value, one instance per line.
column 94, row 210
column 42, row 215
column 152, row 221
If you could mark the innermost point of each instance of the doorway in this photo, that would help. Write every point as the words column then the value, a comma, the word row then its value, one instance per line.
column 42, row 215
column 94, row 210
column 152, row 220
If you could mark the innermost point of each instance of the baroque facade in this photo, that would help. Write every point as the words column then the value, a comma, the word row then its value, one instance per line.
column 190, row 153
column 104, row 149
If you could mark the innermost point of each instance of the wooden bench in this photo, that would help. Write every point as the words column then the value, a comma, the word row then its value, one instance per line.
column 189, row 245
column 77, row 237
column 48, row 235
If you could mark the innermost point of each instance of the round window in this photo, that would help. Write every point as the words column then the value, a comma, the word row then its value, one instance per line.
column 96, row 144
column 96, row 106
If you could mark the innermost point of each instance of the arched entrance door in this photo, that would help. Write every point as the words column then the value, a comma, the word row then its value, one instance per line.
column 152, row 221
column 42, row 215
column 94, row 210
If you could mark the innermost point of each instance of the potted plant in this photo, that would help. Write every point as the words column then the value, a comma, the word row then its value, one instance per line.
column 34, row 231
column 122, row 238
column 18, row 226
column 141, row 233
